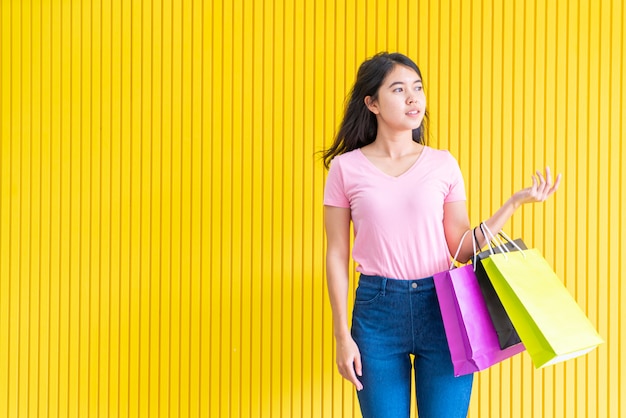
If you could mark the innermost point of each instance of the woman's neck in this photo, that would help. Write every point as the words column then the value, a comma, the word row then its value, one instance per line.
column 393, row 146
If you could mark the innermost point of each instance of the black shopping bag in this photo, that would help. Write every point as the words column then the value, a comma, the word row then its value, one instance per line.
column 507, row 336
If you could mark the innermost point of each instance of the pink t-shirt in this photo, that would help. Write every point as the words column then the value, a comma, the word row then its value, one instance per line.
column 398, row 221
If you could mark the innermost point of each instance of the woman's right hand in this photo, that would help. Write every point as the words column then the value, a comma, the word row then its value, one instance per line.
column 349, row 361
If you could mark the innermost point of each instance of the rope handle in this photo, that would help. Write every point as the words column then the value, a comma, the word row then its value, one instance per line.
column 499, row 244
column 458, row 250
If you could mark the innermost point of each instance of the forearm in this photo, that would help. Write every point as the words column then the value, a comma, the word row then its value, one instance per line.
column 337, row 221
column 541, row 189
column 338, row 284
column 348, row 356
column 496, row 222
column 458, row 224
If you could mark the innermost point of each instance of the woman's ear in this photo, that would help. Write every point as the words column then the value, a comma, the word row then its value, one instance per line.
column 371, row 104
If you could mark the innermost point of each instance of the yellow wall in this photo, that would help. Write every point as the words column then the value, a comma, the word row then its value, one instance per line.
column 161, row 238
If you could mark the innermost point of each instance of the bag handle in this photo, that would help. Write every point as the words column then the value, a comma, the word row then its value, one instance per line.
column 458, row 250
column 476, row 249
column 491, row 239
column 500, row 245
column 506, row 237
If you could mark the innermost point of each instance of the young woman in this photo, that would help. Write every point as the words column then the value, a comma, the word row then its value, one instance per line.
column 407, row 205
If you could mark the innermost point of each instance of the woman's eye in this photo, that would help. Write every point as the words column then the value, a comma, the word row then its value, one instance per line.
column 398, row 90
column 418, row 88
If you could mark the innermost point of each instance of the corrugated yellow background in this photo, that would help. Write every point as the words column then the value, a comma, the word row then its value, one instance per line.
column 161, row 236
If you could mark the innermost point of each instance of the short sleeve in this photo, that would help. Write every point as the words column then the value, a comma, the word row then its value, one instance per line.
column 457, row 185
column 334, row 191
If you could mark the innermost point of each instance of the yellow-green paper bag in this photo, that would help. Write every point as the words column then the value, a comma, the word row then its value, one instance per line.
column 548, row 320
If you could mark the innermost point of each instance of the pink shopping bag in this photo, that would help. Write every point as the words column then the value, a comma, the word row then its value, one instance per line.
column 471, row 335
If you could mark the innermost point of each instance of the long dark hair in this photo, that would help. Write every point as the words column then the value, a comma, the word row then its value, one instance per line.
column 359, row 126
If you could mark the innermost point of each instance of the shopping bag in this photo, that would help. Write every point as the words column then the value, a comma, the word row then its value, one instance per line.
column 507, row 336
column 471, row 336
column 550, row 323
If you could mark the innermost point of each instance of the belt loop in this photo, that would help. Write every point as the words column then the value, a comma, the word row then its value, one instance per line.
column 383, row 285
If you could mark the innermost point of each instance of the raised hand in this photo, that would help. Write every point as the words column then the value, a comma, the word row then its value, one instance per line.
column 540, row 190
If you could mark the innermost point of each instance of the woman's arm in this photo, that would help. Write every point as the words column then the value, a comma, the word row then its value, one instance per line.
column 337, row 222
column 456, row 221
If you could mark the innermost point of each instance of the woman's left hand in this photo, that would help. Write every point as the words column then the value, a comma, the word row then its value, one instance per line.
column 541, row 189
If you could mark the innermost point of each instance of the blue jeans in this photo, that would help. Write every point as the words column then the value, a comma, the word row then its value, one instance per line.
column 393, row 319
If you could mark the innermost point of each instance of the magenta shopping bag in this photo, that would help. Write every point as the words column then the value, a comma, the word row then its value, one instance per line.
column 471, row 335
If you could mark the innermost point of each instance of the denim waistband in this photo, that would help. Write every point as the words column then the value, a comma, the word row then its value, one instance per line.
column 396, row 285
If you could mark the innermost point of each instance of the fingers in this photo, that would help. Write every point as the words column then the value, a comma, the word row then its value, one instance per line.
column 350, row 371
column 540, row 190
column 548, row 177
column 349, row 361
column 542, row 186
column 535, row 185
column 358, row 368
column 556, row 183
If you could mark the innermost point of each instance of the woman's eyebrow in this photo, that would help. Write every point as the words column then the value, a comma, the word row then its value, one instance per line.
column 402, row 83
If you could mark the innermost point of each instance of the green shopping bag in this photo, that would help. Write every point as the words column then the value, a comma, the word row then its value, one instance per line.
column 548, row 320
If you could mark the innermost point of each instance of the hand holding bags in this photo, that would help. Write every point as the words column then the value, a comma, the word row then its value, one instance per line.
column 472, row 338
column 550, row 323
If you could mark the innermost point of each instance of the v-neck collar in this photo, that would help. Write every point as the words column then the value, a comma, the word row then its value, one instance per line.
column 398, row 177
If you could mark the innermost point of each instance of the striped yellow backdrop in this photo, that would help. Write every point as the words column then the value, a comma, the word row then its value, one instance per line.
column 161, row 234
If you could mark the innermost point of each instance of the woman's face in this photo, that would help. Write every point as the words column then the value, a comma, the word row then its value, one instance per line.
column 401, row 103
